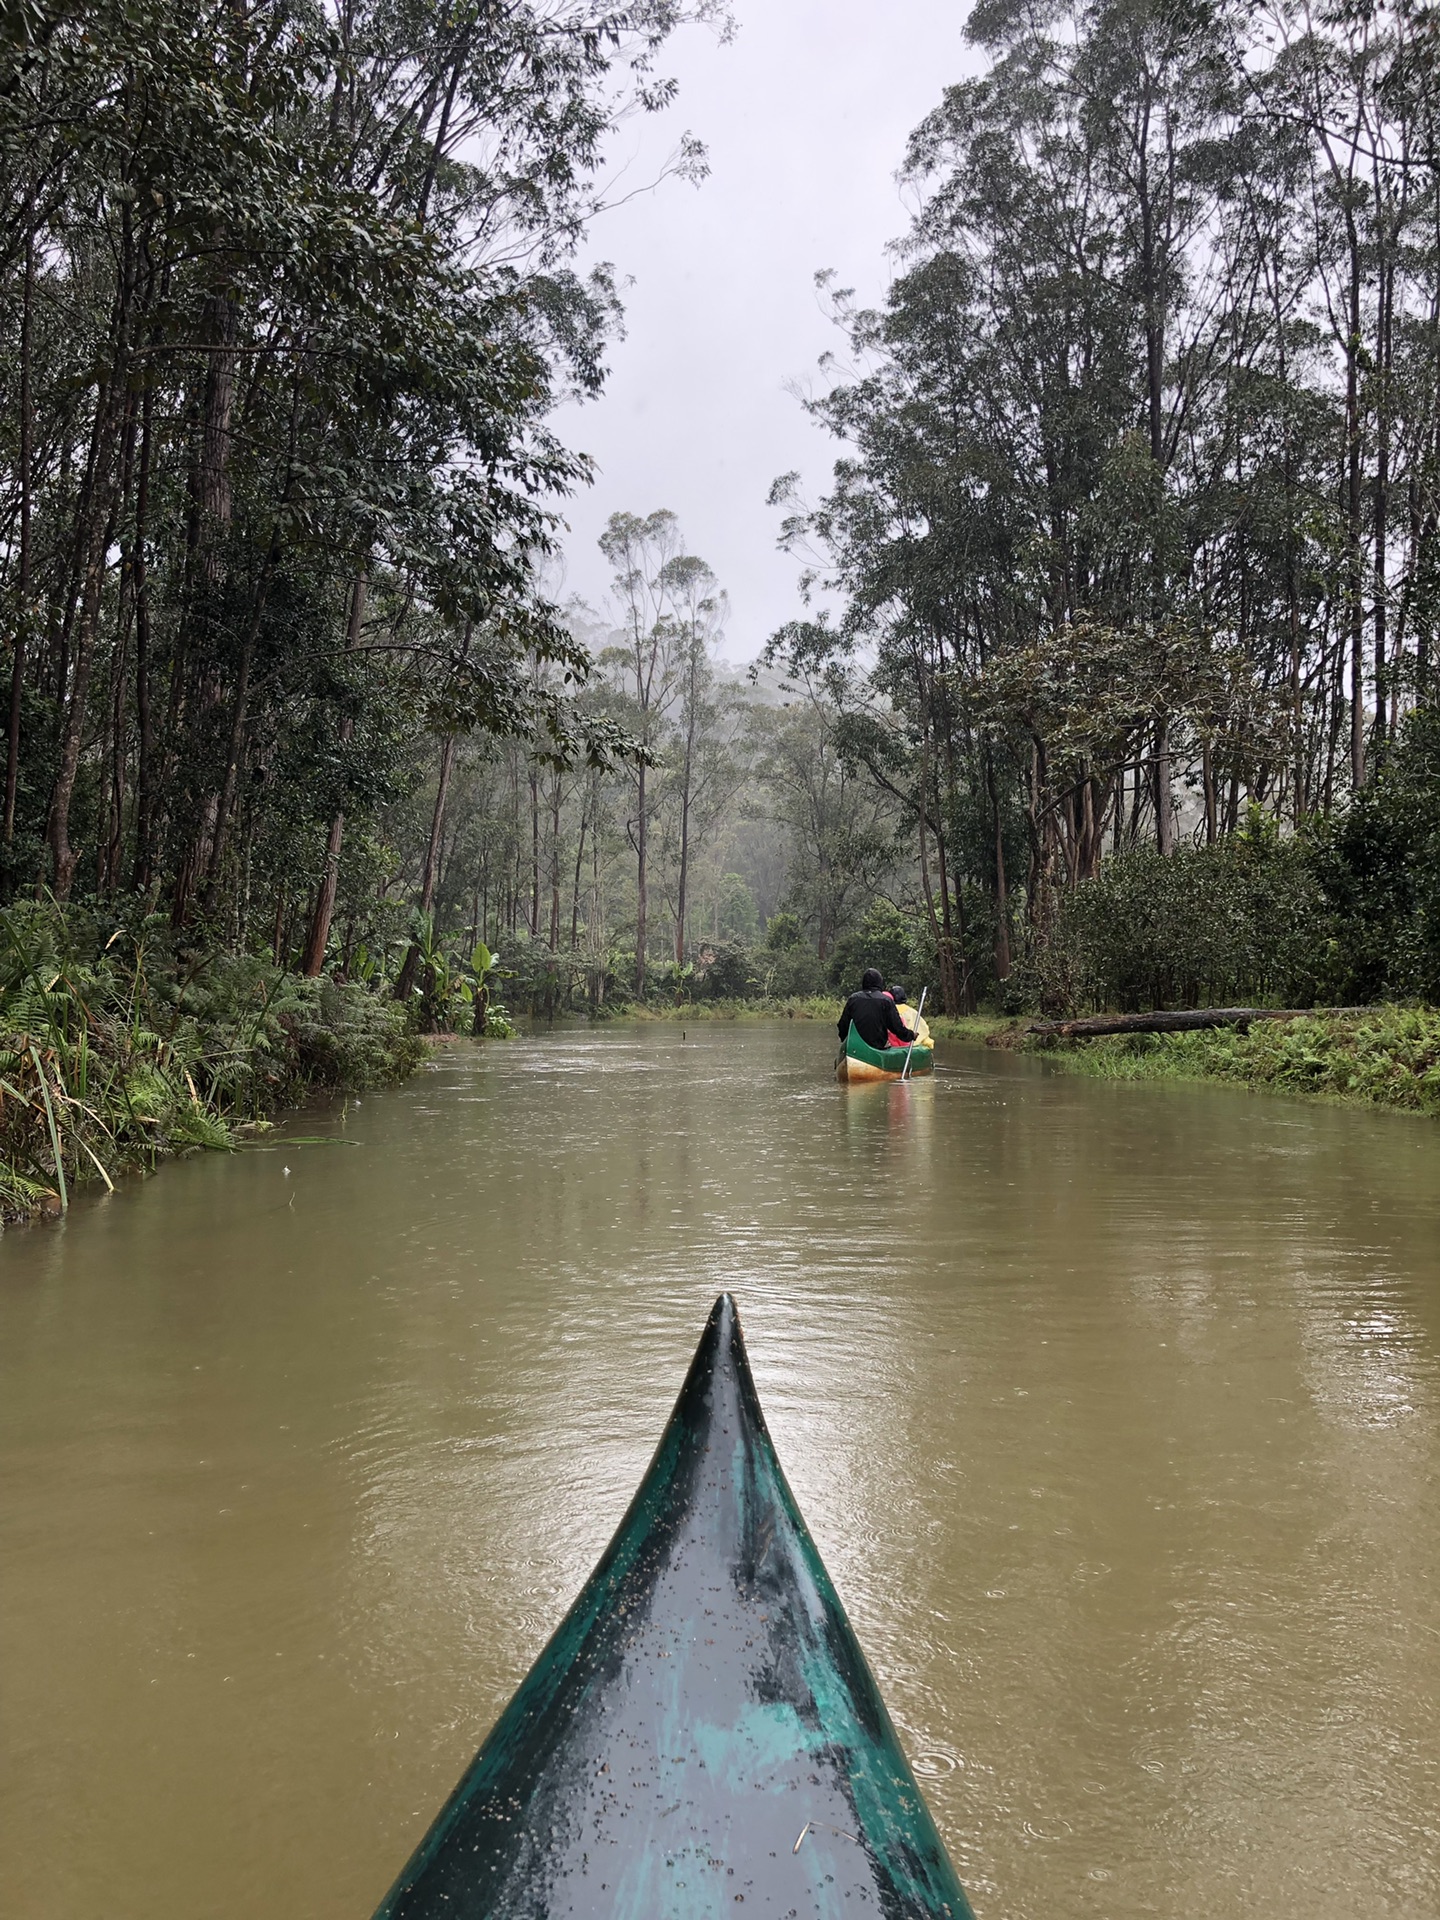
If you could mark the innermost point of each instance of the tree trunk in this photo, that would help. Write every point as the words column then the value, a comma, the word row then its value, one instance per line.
column 641, row 880
column 1164, row 809
column 239, row 716
column 1207, row 777
column 555, row 864
column 319, row 936
column 575, row 889
column 145, row 743
column 427, row 877
column 1002, row 896
column 534, row 856
column 939, row 924
column 22, row 596
column 1353, row 534
column 1382, row 501
column 103, row 509
column 684, row 877
column 437, row 823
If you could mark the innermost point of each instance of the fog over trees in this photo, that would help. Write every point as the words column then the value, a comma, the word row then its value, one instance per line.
column 1124, row 589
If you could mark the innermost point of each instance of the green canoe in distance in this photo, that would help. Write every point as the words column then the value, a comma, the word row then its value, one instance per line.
column 702, row 1734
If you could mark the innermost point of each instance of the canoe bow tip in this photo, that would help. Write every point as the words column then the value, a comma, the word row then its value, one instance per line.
column 720, row 1357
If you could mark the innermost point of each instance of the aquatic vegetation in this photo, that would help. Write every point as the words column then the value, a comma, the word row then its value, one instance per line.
column 118, row 1050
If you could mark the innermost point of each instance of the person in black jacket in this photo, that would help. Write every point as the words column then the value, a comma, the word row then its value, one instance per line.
column 872, row 1013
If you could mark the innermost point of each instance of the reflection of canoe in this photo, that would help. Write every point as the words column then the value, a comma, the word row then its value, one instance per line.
column 861, row 1062
column 702, row 1730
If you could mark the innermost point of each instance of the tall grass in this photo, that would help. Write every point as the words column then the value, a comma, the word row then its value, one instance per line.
column 117, row 1051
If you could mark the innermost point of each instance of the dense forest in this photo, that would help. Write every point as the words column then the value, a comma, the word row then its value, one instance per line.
column 1112, row 677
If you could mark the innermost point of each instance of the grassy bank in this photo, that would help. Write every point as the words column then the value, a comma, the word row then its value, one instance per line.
column 1385, row 1057
column 117, row 1052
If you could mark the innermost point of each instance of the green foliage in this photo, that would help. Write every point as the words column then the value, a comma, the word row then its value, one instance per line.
column 886, row 938
column 796, row 971
column 725, row 970
column 1240, row 923
column 1380, row 869
column 735, row 909
column 1389, row 1056
column 782, row 932
column 289, row 331
column 116, row 1050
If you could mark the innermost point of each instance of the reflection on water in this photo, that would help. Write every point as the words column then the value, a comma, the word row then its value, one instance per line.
column 1115, row 1411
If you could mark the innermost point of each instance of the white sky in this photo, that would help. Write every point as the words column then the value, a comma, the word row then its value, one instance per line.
column 805, row 115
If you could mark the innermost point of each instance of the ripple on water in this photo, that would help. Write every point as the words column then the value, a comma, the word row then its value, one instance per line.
column 1115, row 1413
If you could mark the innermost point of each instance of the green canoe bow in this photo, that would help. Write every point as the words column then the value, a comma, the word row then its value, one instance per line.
column 703, row 1730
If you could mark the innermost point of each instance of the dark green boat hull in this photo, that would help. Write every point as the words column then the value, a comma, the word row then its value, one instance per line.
column 888, row 1060
column 702, row 1733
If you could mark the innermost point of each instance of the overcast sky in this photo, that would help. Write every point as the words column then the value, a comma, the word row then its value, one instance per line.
column 805, row 115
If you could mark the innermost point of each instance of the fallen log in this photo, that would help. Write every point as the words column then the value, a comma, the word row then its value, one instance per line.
column 1196, row 1020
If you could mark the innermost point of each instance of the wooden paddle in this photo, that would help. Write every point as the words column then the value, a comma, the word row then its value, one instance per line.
column 910, row 1050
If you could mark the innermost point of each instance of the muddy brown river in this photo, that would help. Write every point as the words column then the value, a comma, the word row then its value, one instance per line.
column 1115, row 1411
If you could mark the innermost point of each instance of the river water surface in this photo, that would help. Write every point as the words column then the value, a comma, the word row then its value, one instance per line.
column 1115, row 1412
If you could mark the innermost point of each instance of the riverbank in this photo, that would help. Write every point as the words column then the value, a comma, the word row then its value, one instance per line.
column 1385, row 1056
column 117, row 1053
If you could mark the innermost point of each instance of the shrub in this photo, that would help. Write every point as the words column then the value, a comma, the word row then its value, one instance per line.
column 1380, row 870
column 795, row 972
column 725, row 970
column 116, row 1050
column 782, row 931
column 886, row 938
column 1245, row 921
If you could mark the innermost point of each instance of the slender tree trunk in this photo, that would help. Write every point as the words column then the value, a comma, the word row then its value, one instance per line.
column 953, row 968
column 534, row 856
column 437, row 823
column 940, row 923
column 239, row 717
column 22, row 597
column 108, row 861
column 427, row 877
column 642, row 904
column 575, row 889
column 1353, row 550
column 682, row 889
column 1207, row 775
column 1382, row 503
column 1292, row 582
column 104, row 509
column 1002, row 892
column 145, row 741
column 555, row 864
column 319, row 936
column 1164, row 809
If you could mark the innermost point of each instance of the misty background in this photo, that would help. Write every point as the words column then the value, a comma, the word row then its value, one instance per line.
column 804, row 115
